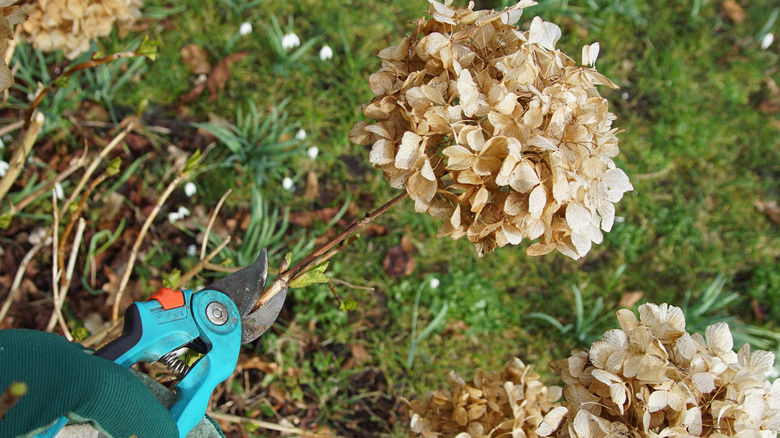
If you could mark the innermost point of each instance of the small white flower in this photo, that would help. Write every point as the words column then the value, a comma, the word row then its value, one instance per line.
column 58, row 190
column 190, row 189
column 313, row 152
column 2, row 144
column 767, row 40
column 3, row 168
column 178, row 215
column 245, row 29
column 36, row 236
column 192, row 250
column 300, row 135
column 434, row 283
column 326, row 53
column 287, row 183
column 290, row 41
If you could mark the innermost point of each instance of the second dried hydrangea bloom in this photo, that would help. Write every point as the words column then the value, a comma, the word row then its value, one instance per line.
column 496, row 132
column 511, row 402
column 652, row 379
column 70, row 25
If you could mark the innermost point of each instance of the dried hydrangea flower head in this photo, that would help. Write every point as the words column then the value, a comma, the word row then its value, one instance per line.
column 651, row 378
column 496, row 132
column 511, row 402
column 10, row 15
column 70, row 25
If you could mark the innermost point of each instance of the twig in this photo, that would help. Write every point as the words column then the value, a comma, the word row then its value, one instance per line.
column 65, row 285
column 77, row 214
column 98, row 337
column 88, row 64
column 10, row 396
column 270, row 426
column 18, row 278
column 46, row 187
column 284, row 278
column 56, row 273
column 219, row 268
column 350, row 285
column 202, row 264
column 95, row 163
column 11, row 127
column 22, row 148
column 211, row 223
column 139, row 240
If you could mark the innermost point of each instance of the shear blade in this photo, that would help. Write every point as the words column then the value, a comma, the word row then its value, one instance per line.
column 244, row 287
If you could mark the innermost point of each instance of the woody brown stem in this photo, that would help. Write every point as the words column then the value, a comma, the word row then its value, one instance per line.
column 286, row 276
column 88, row 64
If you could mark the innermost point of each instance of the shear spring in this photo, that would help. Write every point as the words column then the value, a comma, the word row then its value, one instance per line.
column 172, row 361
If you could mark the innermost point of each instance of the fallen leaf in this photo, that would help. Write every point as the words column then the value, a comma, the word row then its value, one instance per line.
column 630, row 298
column 221, row 73
column 398, row 262
column 407, row 245
column 308, row 218
column 358, row 352
column 374, row 230
column 733, row 10
column 770, row 209
column 193, row 94
column 196, row 59
column 256, row 363
column 312, row 191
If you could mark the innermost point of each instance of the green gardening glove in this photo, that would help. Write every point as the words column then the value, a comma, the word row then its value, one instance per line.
column 63, row 380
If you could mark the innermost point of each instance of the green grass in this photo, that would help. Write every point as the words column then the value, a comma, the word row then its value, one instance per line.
column 694, row 143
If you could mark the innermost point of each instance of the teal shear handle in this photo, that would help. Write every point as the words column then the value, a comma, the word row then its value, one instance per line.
column 207, row 322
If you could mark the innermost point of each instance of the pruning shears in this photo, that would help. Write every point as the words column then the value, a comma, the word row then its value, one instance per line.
column 214, row 322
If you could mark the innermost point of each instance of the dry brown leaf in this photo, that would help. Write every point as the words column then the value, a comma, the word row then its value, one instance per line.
column 312, row 191
column 221, row 73
column 398, row 262
column 358, row 352
column 733, row 10
column 193, row 94
column 628, row 299
column 196, row 59
column 770, row 209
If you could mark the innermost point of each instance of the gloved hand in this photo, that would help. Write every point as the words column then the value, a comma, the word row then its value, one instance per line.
column 63, row 380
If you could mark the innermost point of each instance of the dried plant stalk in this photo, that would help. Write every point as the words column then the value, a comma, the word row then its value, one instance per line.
column 22, row 148
column 18, row 278
column 139, row 240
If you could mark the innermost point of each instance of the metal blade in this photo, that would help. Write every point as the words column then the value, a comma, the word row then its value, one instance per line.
column 246, row 285
column 257, row 322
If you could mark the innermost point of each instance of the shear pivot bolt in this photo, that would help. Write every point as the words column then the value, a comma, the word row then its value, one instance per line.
column 216, row 313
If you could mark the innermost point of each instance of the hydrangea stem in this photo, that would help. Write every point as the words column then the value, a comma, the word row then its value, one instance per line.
column 287, row 275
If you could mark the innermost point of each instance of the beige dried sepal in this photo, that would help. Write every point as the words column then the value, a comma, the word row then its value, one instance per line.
column 496, row 132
